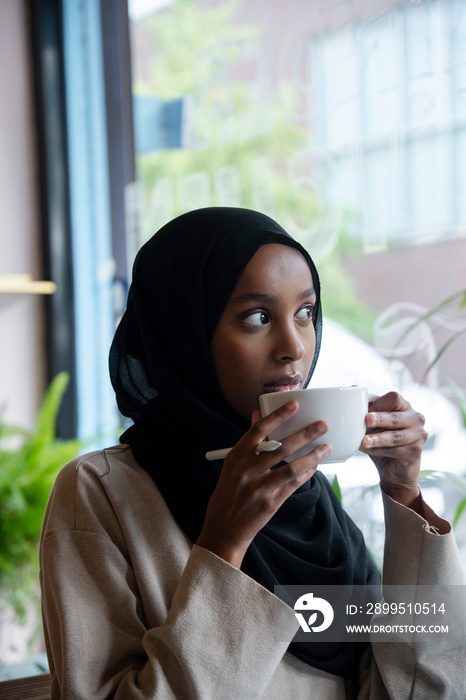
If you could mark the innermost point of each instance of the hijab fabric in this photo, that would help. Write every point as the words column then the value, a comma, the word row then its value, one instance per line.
column 163, row 375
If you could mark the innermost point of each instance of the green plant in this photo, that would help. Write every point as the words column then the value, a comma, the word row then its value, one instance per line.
column 29, row 463
column 336, row 487
column 461, row 399
column 456, row 482
column 455, row 302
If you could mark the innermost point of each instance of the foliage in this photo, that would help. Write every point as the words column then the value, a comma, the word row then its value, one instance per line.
column 455, row 302
column 336, row 487
column 457, row 482
column 460, row 396
column 458, row 300
column 29, row 463
column 177, row 37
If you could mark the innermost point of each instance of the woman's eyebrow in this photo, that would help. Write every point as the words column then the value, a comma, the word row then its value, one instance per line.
column 244, row 298
column 267, row 298
column 311, row 292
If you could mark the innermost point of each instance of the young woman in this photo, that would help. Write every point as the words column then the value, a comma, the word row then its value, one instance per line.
column 158, row 566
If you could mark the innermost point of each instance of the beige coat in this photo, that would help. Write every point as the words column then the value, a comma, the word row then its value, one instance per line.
column 132, row 610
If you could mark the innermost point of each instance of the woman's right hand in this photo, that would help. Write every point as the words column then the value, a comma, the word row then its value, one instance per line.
column 249, row 491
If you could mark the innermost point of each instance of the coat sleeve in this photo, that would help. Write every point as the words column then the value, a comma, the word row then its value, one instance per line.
column 417, row 558
column 98, row 641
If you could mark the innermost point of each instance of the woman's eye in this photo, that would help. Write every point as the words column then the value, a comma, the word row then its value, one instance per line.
column 305, row 314
column 258, row 318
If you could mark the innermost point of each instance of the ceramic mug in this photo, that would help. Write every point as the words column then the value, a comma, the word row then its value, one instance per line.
column 343, row 407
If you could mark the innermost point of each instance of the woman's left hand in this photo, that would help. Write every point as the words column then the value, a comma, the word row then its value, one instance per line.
column 394, row 440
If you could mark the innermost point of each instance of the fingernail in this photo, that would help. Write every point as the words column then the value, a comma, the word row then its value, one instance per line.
column 325, row 450
column 268, row 446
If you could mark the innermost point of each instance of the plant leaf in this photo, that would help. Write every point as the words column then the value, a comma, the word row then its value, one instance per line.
column 461, row 398
column 444, row 347
column 28, row 468
column 459, row 511
column 336, row 487
column 459, row 299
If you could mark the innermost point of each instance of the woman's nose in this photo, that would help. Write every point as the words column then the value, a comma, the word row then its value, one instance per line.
column 289, row 344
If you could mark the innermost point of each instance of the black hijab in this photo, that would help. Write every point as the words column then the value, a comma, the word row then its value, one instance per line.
column 163, row 375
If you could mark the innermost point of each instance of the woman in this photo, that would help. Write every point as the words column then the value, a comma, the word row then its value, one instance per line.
column 225, row 306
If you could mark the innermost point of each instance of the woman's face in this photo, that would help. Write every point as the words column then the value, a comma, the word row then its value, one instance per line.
column 265, row 338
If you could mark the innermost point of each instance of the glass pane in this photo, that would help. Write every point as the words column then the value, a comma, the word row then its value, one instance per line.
column 344, row 121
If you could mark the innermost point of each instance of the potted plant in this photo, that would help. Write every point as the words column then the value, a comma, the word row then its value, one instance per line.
column 29, row 463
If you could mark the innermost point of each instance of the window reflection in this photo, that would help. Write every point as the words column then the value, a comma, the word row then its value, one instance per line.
column 344, row 121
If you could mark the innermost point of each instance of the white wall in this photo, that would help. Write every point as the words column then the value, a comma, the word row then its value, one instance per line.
column 21, row 318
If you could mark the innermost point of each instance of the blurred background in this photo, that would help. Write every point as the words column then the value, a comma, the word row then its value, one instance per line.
column 345, row 120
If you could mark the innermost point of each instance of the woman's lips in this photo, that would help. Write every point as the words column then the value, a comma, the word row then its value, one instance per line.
column 287, row 383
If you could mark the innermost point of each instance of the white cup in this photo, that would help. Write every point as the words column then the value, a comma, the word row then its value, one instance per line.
column 343, row 407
